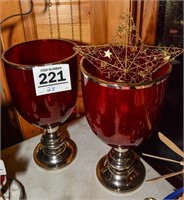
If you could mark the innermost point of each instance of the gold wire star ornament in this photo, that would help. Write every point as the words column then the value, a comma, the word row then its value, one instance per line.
column 128, row 60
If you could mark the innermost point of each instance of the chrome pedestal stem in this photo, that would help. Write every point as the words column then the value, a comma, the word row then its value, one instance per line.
column 54, row 151
column 120, row 171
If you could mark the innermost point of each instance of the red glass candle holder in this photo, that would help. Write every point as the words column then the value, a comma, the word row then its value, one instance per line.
column 50, row 110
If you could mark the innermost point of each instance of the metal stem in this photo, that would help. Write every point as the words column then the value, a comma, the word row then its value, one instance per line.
column 54, row 151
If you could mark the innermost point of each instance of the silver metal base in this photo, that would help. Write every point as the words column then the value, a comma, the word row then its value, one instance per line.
column 54, row 151
column 120, row 171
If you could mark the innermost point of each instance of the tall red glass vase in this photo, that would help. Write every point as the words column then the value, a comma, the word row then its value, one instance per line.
column 42, row 78
column 122, row 115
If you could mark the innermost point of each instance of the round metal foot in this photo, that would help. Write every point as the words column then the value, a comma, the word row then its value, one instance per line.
column 53, row 162
column 54, row 151
column 120, row 171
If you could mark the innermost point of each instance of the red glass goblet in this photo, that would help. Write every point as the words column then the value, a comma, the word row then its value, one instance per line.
column 56, row 64
column 122, row 116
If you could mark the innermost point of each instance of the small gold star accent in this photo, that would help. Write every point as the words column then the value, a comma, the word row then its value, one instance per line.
column 103, row 65
column 108, row 53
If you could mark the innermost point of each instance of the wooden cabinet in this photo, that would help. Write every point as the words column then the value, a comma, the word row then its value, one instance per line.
column 85, row 21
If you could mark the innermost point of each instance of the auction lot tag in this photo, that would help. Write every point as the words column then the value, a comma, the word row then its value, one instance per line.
column 51, row 79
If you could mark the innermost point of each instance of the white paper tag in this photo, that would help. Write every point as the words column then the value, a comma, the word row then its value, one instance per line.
column 2, row 168
column 51, row 79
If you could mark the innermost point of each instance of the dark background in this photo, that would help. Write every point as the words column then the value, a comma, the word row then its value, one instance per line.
column 169, row 32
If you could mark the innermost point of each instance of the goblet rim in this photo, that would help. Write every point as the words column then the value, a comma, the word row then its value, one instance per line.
column 125, row 86
column 29, row 67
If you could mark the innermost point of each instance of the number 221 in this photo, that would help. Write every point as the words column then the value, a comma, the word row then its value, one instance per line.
column 51, row 77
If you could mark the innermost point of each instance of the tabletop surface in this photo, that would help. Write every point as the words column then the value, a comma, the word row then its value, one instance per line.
column 77, row 181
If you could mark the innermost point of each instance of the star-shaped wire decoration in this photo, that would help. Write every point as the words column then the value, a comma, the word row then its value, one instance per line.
column 128, row 60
